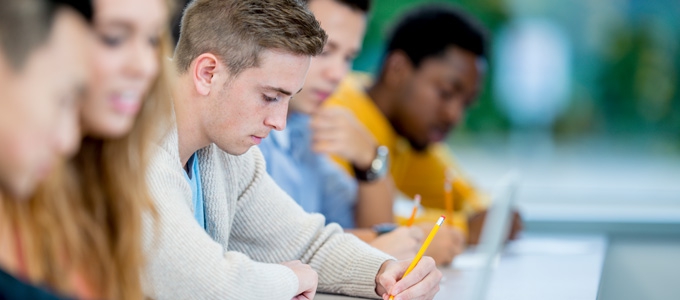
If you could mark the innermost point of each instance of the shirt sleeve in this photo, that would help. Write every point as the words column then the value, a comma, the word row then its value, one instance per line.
column 339, row 194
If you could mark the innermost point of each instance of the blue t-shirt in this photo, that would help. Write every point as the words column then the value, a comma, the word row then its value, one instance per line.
column 194, row 179
column 312, row 180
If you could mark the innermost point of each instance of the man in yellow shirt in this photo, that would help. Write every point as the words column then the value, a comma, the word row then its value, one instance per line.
column 432, row 72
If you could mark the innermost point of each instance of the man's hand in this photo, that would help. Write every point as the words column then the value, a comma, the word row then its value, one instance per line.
column 448, row 243
column 336, row 131
column 402, row 243
column 307, row 278
column 421, row 283
column 476, row 222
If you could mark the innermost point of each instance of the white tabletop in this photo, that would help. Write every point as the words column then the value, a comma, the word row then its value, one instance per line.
column 534, row 267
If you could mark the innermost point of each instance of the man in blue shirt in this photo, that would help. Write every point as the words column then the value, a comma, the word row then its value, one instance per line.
column 314, row 181
column 298, row 161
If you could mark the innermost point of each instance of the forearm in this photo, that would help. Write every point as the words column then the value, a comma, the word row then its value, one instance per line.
column 374, row 203
column 364, row 234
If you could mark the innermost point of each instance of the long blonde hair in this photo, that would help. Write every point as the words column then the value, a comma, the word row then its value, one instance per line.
column 88, row 217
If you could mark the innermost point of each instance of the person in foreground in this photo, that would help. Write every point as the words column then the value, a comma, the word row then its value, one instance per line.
column 40, row 42
column 427, row 80
column 226, row 229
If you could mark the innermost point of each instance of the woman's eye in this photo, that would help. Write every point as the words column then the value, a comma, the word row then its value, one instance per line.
column 111, row 41
column 155, row 41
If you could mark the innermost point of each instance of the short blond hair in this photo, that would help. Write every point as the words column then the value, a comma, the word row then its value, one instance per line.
column 238, row 30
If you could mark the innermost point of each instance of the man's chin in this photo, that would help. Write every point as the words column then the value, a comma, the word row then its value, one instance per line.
column 239, row 153
column 419, row 146
column 236, row 151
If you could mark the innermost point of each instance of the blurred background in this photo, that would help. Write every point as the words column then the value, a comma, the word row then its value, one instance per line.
column 603, row 68
column 582, row 99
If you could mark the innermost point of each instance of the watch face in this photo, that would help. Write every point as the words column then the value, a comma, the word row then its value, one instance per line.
column 378, row 167
column 380, row 162
column 383, row 151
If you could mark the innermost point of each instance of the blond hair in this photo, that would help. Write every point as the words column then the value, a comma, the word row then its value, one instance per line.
column 88, row 217
column 238, row 30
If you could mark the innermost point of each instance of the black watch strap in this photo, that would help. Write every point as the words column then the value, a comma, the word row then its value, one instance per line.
column 377, row 169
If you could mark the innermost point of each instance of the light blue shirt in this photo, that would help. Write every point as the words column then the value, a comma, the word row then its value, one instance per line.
column 312, row 180
column 194, row 179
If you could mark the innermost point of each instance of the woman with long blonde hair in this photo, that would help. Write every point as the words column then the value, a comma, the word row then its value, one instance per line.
column 81, row 234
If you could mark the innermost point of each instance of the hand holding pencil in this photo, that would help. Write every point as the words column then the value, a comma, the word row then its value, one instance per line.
column 418, row 278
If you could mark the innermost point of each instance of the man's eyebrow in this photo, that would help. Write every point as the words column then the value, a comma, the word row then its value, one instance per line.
column 280, row 90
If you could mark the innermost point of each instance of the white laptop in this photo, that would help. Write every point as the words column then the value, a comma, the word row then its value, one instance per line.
column 493, row 236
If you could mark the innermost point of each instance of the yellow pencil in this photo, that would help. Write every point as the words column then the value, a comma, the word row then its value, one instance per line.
column 423, row 248
column 414, row 211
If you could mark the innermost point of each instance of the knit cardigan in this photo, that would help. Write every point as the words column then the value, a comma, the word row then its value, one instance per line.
column 251, row 227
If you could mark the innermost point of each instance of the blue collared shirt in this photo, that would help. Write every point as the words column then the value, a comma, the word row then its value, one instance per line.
column 312, row 180
column 194, row 179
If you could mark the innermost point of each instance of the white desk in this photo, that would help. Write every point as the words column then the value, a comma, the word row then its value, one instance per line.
column 536, row 267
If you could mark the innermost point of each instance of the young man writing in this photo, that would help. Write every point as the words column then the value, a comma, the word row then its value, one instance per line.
column 226, row 229
column 428, row 78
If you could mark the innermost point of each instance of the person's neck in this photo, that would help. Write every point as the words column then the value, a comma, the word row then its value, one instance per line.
column 190, row 134
column 382, row 96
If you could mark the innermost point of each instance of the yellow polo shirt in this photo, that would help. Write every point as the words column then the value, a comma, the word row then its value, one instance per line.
column 413, row 172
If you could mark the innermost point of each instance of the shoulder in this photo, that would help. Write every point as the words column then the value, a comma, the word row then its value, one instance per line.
column 351, row 90
column 165, row 152
column 166, row 180
column 164, row 157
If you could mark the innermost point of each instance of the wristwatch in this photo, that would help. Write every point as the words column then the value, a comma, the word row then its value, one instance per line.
column 378, row 168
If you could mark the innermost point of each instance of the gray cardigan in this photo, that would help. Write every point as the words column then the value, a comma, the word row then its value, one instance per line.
column 252, row 226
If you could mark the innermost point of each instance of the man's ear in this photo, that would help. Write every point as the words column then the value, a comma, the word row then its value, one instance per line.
column 204, row 69
column 398, row 68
